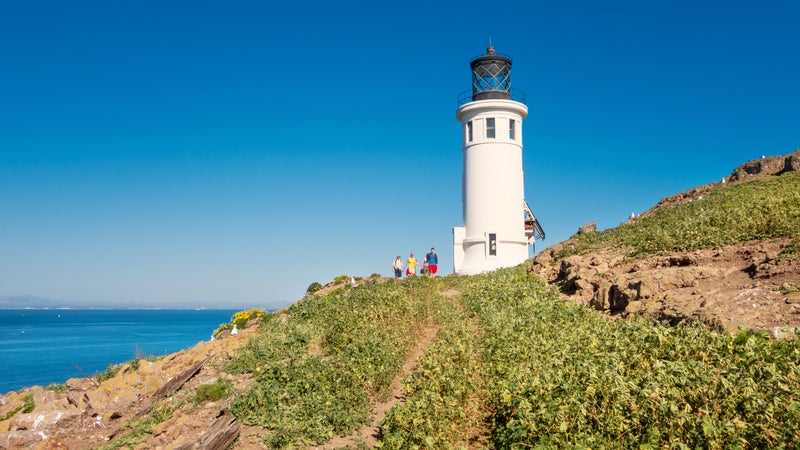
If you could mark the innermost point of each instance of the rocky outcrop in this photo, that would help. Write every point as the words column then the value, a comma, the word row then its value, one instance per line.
column 747, row 285
column 89, row 414
column 590, row 227
column 753, row 285
column 765, row 167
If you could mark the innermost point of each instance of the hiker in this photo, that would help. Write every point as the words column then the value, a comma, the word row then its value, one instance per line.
column 398, row 267
column 411, row 265
column 432, row 261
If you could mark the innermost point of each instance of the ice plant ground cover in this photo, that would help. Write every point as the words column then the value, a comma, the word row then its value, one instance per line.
column 515, row 366
column 758, row 209
column 512, row 365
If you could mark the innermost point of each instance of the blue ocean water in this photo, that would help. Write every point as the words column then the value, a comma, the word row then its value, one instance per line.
column 40, row 347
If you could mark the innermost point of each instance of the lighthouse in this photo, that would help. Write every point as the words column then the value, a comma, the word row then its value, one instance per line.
column 498, row 223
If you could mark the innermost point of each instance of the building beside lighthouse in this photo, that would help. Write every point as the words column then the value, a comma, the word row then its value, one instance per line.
column 498, row 223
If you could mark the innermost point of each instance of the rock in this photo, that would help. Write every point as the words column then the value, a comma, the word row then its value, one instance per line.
column 600, row 299
column 769, row 166
column 20, row 439
column 51, row 444
column 81, row 384
column 147, row 368
column 783, row 332
column 43, row 420
column 793, row 161
column 590, row 227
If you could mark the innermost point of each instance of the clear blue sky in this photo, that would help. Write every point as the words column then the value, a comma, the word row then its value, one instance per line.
column 227, row 154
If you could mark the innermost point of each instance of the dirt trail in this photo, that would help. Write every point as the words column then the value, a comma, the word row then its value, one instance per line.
column 368, row 434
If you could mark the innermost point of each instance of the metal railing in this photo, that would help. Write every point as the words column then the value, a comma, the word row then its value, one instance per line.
column 516, row 95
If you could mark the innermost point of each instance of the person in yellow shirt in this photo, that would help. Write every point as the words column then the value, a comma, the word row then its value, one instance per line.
column 411, row 265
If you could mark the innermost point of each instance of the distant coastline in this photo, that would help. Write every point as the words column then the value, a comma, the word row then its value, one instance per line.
column 13, row 302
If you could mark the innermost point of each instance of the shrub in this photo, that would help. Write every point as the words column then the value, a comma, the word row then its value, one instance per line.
column 214, row 391
column 29, row 405
column 313, row 287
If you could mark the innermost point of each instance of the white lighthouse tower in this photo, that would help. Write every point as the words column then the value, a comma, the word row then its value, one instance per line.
column 498, row 224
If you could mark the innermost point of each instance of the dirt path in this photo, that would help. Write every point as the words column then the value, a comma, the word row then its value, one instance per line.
column 368, row 434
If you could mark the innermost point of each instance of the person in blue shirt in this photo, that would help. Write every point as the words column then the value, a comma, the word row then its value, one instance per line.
column 433, row 262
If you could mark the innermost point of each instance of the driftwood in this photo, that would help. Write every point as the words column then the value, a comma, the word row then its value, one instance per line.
column 219, row 436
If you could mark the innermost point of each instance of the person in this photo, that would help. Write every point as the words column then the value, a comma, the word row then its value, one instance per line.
column 432, row 260
column 398, row 267
column 411, row 265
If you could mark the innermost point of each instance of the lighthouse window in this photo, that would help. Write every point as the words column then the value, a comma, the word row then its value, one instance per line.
column 512, row 128
column 469, row 131
column 490, row 127
column 492, row 244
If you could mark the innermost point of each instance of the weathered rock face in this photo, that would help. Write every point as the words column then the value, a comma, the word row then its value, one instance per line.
column 793, row 162
column 747, row 285
column 590, row 227
column 767, row 166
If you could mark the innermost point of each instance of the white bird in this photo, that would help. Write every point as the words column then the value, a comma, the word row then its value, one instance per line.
column 234, row 330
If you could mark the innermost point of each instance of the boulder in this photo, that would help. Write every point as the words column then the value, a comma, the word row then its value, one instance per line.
column 45, row 420
column 81, row 384
column 793, row 161
column 590, row 227
column 21, row 439
column 763, row 167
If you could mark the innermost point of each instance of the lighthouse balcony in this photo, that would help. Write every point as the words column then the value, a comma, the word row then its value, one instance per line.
column 512, row 94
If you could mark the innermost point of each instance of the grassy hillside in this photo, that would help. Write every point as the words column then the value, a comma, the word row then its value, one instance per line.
column 512, row 366
column 759, row 209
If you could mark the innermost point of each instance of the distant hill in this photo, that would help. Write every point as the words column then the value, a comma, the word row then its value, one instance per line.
column 32, row 301
column 35, row 302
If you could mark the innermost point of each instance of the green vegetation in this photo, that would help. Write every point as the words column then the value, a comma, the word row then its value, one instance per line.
column 57, row 388
column 110, row 372
column 321, row 366
column 26, row 407
column 341, row 279
column 240, row 319
column 28, row 404
column 514, row 366
column 139, row 430
column 759, row 209
column 212, row 392
column 313, row 287
column 11, row 413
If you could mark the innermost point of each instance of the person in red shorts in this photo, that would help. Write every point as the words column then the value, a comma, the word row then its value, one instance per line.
column 433, row 262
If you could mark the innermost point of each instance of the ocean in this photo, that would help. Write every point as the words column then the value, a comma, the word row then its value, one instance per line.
column 41, row 347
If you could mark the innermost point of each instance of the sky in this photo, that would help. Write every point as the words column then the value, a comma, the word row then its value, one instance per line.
column 228, row 154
